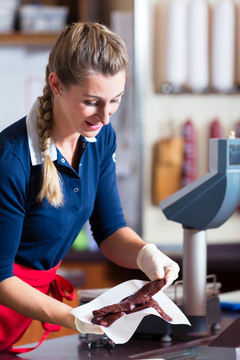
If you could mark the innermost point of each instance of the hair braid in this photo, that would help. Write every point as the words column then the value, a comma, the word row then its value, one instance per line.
column 51, row 184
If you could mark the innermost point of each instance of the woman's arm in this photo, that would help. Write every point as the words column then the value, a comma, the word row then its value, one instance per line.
column 122, row 247
column 125, row 248
column 26, row 300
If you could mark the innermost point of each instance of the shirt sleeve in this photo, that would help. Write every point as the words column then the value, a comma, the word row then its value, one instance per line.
column 12, row 195
column 107, row 216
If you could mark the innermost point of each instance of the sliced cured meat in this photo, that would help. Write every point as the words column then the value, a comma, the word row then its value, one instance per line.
column 140, row 300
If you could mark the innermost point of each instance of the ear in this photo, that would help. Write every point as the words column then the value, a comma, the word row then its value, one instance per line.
column 55, row 83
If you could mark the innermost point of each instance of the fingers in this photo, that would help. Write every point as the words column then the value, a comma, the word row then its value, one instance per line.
column 86, row 328
column 96, row 330
column 157, row 265
column 171, row 274
column 159, row 273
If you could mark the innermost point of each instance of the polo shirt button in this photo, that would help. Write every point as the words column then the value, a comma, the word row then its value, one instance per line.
column 76, row 190
column 63, row 160
column 83, row 145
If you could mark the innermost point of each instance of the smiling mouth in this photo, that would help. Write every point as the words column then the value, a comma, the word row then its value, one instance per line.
column 94, row 126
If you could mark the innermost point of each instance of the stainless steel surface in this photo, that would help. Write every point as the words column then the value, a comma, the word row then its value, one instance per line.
column 194, row 272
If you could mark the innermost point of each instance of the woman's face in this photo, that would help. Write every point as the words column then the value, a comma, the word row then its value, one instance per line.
column 85, row 109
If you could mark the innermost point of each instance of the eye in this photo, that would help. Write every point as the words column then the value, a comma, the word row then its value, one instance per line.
column 116, row 101
column 91, row 103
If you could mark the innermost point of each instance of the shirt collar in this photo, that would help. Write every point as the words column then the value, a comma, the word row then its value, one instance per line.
column 33, row 141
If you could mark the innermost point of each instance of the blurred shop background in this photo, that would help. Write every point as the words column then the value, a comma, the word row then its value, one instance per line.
column 183, row 82
column 183, row 88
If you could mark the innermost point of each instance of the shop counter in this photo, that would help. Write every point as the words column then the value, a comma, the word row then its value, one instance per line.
column 75, row 347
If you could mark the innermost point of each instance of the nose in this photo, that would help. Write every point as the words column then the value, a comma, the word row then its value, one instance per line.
column 105, row 114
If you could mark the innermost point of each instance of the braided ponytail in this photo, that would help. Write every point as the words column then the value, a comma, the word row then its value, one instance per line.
column 81, row 50
column 51, row 184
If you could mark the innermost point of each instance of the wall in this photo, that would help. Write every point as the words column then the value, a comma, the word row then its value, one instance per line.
column 100, row 10
column 22, row 75
column 166, row 112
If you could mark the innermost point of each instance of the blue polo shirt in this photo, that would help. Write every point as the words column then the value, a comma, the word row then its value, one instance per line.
column 38, row 235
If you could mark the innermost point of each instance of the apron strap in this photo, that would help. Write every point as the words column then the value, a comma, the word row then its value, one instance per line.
column 25, row 350
column 61, row 289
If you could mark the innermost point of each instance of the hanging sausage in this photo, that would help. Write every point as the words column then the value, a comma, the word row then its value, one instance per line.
column 215, row 129
column 190, row 158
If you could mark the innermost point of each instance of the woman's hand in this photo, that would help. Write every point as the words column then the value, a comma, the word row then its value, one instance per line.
column 85, row 328
column 157, row 265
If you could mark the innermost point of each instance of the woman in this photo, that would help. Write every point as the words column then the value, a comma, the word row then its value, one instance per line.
column 57, row 170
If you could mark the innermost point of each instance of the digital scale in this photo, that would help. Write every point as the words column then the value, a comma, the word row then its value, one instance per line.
column 203, row 204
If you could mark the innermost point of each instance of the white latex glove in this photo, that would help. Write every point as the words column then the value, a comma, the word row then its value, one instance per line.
column 85, row 328
column 157, row 265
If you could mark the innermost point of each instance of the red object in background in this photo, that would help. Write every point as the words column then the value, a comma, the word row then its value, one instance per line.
column 189, row 162
column 215, row 129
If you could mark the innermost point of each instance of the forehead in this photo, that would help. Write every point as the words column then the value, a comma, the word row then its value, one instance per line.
column 103, row 85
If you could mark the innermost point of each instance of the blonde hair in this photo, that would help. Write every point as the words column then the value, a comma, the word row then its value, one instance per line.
column 81, row 50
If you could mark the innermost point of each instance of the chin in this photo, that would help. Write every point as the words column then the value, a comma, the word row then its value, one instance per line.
column 91, row 134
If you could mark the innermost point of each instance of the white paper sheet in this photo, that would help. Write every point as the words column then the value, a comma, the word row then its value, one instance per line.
column 122, row 329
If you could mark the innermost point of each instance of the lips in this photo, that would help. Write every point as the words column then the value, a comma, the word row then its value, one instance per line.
column 93, row 127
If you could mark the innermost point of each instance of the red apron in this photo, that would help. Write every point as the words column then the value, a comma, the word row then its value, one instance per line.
column 12, row 324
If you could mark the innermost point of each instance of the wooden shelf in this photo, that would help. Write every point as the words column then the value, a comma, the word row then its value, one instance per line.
column 209, row 92
column 18, row 38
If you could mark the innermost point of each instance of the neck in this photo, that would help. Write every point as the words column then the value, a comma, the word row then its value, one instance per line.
column 69, row 149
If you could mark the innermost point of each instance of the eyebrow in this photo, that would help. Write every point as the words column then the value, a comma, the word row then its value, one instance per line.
column 99, row 97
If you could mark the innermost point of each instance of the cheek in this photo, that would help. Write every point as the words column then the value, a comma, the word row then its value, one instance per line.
column 114, row 108
column 82, row 111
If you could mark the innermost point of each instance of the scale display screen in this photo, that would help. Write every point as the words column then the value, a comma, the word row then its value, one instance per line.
column 234, row 154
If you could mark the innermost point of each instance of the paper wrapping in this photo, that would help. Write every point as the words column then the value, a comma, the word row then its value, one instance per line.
column 122, row 329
